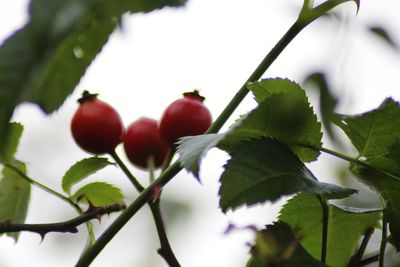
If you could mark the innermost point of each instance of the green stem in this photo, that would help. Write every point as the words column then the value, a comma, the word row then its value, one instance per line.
column 256, row 75
column 130, row 176
column 165, row 251
column 126, row 215
column 356, row 259
column 173, row 169
column 39, row 185
column 89, row 227
column 325, row 222
column 151, row 167
column 383, row 240
column 168, row 161
column 350, row 159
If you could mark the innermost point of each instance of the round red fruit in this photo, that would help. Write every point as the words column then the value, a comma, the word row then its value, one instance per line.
column 142, row 141
column 96, row 126
column 185, row 117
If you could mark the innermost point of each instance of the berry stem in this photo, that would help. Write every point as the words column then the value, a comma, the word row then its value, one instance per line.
column 127, row 172
column 383, row 240
column 165, row 251
column 325, row 223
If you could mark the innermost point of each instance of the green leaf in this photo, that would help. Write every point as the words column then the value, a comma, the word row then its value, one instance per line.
column 14, row 197
column 285, row 114
column 192, row 149
column 45, row 60
column 264, row 170
column 99, row 194
column 278, row 245
column 327, row 102
column 345, row 226
column 374, row 134
column 11, row 141
column 81, row 170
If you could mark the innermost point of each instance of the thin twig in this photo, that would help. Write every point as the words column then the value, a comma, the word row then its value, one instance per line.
column 165, row 251
column 64, row 227
column 325, row 222
column 383, row 240
column 368, row 260
column 356, row 259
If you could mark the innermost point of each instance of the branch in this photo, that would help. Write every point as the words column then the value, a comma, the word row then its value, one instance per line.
column 357, row 257
column 69, row 226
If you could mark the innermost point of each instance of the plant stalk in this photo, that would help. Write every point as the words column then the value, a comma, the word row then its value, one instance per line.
column 165, row 251
column 325, row 222
column 383, row 240
column 89, row 227
column 173, row 169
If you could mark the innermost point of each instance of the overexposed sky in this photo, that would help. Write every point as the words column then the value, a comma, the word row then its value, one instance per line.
column 214, row 46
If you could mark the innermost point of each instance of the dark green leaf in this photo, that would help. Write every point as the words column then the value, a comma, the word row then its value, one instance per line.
column 285, row 114
column 327, row 102
column 384, row 35
column 374, row 134
column 99, row 194
column 81, row 170
column 11, row 141
column 264, row 170
column 14, row 197
column 345, row 226
column 277, row 245
column 45, row 60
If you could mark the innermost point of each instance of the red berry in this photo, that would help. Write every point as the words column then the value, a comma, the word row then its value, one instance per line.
column 143, row 141
column 96, row 126
column 185, row 117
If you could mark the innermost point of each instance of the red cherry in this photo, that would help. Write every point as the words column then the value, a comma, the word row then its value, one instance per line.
column 96, row 126
column 143, row 141
column 185, row 117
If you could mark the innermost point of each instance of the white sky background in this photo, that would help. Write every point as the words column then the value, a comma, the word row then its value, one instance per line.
column 214, row 46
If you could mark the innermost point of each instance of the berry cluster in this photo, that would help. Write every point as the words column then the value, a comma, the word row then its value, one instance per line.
column 98, row 129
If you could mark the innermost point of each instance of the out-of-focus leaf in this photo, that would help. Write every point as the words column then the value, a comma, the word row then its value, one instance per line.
column 327, row 101
column 345, row 226
column 278, row 245
column 99, row 194
column 265, row 170
column 11, row 141
column 81, row 170
column 15, row 194
column 383, row 34
column 44, row 61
